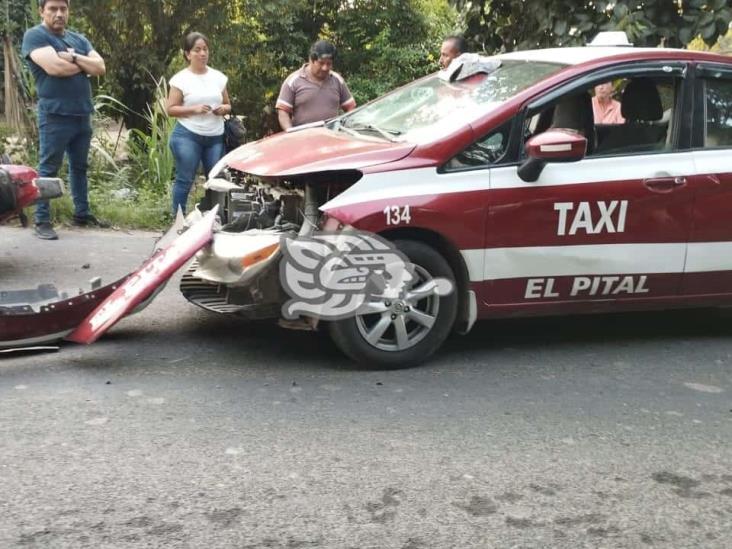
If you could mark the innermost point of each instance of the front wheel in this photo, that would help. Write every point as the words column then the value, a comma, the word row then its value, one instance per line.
column 403, row 332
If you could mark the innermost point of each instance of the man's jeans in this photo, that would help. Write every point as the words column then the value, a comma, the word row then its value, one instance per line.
column 58, row 134
column 189, row 150
column 70, row 134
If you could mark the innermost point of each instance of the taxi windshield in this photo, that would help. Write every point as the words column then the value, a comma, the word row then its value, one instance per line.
column 432, row 106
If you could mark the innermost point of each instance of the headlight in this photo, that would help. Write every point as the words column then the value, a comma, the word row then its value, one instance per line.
column 258, row 256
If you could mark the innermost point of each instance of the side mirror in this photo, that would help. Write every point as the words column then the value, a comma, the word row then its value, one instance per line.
column 556, row 145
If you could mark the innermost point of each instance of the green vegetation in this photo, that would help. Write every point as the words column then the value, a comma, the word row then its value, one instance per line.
column 257, row 43
column 6, row 133
column 723, row 45
column 509, row 25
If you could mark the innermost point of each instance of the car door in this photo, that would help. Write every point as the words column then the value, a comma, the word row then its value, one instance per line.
column 709, row 263
column 612, row 226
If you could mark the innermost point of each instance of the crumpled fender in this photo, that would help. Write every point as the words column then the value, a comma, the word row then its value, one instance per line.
column 142, row 285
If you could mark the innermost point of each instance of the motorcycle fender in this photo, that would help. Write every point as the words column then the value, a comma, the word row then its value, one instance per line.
column 141, row 285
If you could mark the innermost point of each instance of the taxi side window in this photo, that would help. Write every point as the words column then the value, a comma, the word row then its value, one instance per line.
column 718, row 113
column 618, row 117
column 486, row 151
column 647, row 108
column 572, row 111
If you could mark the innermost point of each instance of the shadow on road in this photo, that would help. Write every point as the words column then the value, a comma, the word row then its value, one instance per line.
column 245, row 342
column 664, row 326
column 228, row 338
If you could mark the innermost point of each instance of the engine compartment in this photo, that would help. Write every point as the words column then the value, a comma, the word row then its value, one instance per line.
column 238, row 271
column 262, row 206
column 248, row 202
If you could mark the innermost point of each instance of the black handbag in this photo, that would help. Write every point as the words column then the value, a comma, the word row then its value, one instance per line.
column 235, row 134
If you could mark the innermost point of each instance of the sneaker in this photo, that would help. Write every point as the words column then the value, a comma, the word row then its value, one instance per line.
column 90, row 221
column 45, row 231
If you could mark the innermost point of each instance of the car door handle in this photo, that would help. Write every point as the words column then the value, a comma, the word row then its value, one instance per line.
column 664, row 184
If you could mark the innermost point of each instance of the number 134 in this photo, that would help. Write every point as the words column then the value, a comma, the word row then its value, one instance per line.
column 397, row 214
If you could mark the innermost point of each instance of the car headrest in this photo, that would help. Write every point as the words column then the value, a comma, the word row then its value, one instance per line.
column 641, row 101
column 574, row 112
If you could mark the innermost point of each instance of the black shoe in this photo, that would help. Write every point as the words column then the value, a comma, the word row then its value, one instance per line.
column 90, row 221
column 45, row 231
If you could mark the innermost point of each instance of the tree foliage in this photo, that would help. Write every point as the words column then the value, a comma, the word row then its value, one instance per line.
column 380, row 44
column 506, row 25
column 17, row 15
column 256, row 43
column 139, row 39
column 391, row 42
column 723, row 45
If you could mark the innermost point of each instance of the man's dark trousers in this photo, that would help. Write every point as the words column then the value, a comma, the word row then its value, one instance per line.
column 61, row 134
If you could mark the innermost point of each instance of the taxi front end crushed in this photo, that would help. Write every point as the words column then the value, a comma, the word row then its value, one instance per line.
column 238, row 272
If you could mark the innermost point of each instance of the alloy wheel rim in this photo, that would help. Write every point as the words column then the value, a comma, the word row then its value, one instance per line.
column 394, row 325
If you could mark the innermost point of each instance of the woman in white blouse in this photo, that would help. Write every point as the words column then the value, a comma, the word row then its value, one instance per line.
column 198, row 98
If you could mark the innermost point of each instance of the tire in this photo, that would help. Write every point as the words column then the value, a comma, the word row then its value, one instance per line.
column 388, row 352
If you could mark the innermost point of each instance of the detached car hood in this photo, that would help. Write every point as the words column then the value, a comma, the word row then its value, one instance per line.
column 313, row 150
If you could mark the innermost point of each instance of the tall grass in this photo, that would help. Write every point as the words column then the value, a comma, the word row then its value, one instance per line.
column 130, row 188
column 144, row 179
column 149, row 154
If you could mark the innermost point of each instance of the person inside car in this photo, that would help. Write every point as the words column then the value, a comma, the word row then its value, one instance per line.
column 606, row 110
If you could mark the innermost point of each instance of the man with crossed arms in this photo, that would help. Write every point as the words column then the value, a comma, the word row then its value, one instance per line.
column 61, row 61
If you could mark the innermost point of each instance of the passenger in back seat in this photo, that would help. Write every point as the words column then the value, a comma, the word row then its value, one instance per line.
column 605, row 109
column 641, row 107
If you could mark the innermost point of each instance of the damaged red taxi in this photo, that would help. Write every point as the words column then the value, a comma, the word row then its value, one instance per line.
column 491, row 175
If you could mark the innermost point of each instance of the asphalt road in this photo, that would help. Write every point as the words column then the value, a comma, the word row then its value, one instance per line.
column 185, row 429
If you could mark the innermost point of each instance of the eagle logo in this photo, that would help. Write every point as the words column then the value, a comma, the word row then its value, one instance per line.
column 333, row 276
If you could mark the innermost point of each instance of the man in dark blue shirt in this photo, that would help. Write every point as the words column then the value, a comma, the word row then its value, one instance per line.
column 61, row 62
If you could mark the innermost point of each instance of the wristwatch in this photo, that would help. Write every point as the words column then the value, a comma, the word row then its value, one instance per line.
column 73, row 58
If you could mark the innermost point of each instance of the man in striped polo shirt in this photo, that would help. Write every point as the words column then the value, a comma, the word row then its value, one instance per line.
column 314, row 92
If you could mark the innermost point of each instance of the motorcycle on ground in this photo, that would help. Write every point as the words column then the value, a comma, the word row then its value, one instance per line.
column 21, row 187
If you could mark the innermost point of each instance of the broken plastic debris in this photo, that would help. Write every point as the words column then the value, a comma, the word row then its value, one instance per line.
column 34, row 349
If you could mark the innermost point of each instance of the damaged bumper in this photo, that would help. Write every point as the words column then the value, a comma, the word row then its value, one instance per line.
column 237, row 273
column 43, row 315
